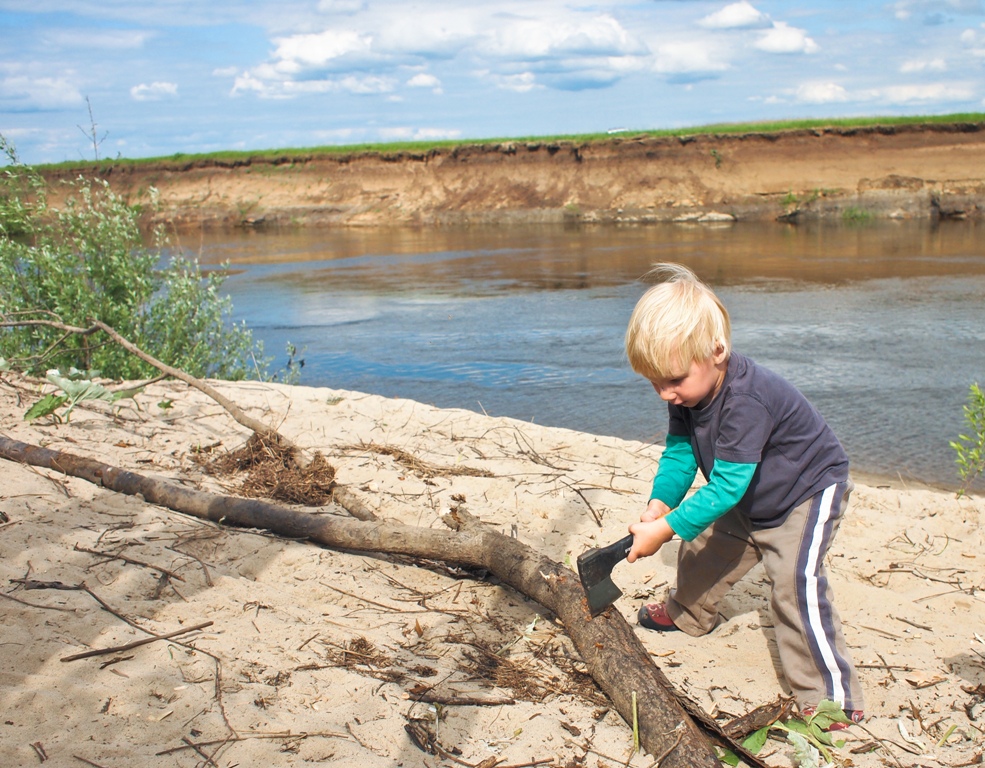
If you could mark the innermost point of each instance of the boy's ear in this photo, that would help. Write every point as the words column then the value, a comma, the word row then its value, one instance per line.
column 720, row 355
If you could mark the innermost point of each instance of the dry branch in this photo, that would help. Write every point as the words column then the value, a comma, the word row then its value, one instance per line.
column 135, row 643
column 234, row 410
column 613, row 654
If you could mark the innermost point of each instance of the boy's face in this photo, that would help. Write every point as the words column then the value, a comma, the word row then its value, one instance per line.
column 695, row 386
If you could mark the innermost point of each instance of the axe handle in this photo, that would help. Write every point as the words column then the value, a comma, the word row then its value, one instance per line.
column 614, row 553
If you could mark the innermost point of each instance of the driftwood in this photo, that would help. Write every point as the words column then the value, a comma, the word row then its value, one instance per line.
column 615, row 658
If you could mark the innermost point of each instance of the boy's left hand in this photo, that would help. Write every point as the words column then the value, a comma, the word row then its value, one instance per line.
column 648, row 537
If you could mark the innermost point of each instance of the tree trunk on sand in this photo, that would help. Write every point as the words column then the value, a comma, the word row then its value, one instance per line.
column 616, row 659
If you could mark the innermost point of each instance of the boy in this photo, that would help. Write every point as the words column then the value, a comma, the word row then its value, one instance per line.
column 778, row 486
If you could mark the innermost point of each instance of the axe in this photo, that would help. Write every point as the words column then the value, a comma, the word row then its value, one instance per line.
column 595, row 569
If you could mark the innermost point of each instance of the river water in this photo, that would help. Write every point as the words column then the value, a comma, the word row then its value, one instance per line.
column 881, row 325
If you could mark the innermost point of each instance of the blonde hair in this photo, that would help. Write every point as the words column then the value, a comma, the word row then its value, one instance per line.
column 676, row 322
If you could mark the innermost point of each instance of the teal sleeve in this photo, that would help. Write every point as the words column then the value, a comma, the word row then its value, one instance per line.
column 675, row 472
column 726, row 486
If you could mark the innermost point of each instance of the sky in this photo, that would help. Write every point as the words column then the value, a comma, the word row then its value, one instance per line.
column 81, row 79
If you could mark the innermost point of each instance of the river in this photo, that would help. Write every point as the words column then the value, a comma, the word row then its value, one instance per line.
column 880, row 324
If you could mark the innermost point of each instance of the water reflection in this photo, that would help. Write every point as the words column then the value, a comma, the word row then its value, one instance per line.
column 880, row 325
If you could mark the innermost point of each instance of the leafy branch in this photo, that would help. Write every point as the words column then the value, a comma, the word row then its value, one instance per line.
column 76, row 387
column 970, row 448
column 98, row 326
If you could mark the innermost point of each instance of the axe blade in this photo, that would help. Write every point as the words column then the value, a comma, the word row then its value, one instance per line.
column 595, row 570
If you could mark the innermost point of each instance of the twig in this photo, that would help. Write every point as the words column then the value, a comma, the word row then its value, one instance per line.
column 532, row 454
column 913, row 623
column 35, row 605
column 451, row 700
column 249, row 736
column 136, row 643
column 196, row 747
column 883, row 743
column 125, row 559
column 365, row 599
column 965, row 590
column 666, row 753
column 596, row 515
column 882, row 632
column 887, row 666
column 587, row 749
column 87, row 762
column 205, row 568
column 300, row 647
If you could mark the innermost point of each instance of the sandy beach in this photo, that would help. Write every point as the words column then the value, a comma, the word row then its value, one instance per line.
column 308, row 655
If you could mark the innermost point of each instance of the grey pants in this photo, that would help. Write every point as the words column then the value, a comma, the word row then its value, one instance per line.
column 811, row 646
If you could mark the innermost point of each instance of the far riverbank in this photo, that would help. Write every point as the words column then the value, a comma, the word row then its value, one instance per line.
column 897, row 172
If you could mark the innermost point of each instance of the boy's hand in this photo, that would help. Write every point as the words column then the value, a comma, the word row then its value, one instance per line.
column 654, row 510
column 648, row 537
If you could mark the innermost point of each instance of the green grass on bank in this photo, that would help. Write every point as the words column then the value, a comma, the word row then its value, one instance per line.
column 420, row 147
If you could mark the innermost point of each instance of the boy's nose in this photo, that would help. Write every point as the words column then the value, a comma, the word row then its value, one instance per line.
column 666, row 393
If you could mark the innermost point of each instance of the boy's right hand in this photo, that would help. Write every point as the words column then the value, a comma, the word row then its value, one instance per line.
column 654, row 511
column 648, row 537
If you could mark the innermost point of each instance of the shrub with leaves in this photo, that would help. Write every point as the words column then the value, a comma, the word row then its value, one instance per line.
column 88, row 261
column 970, row 448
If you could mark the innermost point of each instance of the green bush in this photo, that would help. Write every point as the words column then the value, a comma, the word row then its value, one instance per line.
column 970, row 448
column 88, row 261
column 16, row 192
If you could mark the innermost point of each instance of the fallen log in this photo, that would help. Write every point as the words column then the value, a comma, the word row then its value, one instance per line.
column 615, row 658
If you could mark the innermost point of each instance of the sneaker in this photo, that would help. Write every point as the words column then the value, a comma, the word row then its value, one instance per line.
column 654, row 616
column 855, row 715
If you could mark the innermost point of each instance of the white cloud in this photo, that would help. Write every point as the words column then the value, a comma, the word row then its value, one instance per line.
column 429, row 35
column 923, row 65
column 154, row 92
column 783, row 38
column 972, row 42
column 688, row 58
column 269, row 87
column 404, row 133
column 521, row 83
column 316, row 50
column 23, row 93
column 424, row 80
column 821, row 93
column 741, row 15
column 245, row 83
column 518, row 48
column 526, row 39
column 933, row 10
column 894, row 95
column 341, row 6
column 121, row 39
column 913, row 94
column 364, row 84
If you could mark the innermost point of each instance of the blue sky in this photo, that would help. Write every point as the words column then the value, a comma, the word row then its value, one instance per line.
column 205, row 75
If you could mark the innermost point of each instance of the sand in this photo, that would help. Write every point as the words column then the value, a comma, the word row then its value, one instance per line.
column 313, row 655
